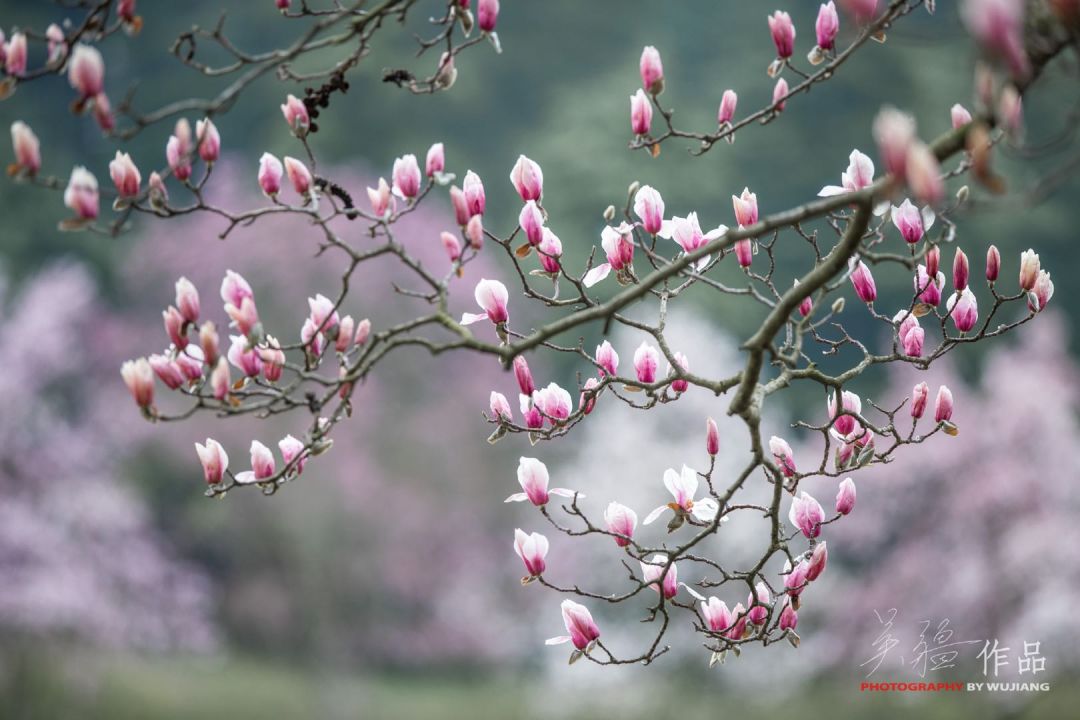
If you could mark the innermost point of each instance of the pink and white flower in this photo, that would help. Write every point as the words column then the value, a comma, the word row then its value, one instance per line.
column 528, row 179
column 533, row 477
column 579, row 623
column 620, row 520
column 649, row 207
column 554, row 402
column 845, row 497
column 532, row 549
column 683, row 486
column 806, row 514
column 964, row 310
column 646, row 362
column 911, row 221
column 214, row 460
column 782, row 455
column 492, row 297
column 859, row 175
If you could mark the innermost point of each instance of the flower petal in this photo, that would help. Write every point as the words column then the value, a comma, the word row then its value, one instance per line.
column 654, row 514
column 595, row 275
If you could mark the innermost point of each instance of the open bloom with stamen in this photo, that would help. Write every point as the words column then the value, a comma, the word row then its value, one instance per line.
column 649, row 207
column 646, row 362
column 214, row 460
column 533, row 477
column 782, row 455
column 492, row 297
column 859, row 174
column 683, row 486
column 620, row 520
column 806, row 514
column 532, row 549
column 964, row 310
column 579, row 623
column 912, row 222
column 654, row 568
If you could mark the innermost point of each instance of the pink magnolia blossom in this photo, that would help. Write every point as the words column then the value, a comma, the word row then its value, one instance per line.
column 924, row 174
column 523, row 376
column 806, row 514
column 86, row 70
column 827, row 26
column 322, row 312
column 451, row 244
column 81, row 194
column 459, row 203
column 912, row 222
column 783, row 33
column 363, row 329
column 849, row 402
column 649, row 207
column 273, row 359
column 641, row 113
column 381, row 199
column 859, row 175
column 178, row 157
column 554, row 402
column 712, row 437
column 435, row 160
column 746, row 208
column 579, row 623
column 912, row 341
column 943, row 405
column 346, row 333
column 679, row 385
column 933, row 261
column 894, row 132
column 795, row 579
column 1011, row 111
column 244, row 357
column 296, row 115
column 587, row 398
column 744, row 252
column 759, row 610
column 1029, row 269
column 960, row 269
column 500, row 407
column 533, row 477
column 174, row 326
column 789, row 619
column 214, row 460
column 845, row 497
column 726, row 112
column 15, row 55
column 220, row 381
column 27, row 148
column 782, row 455
column 683, row 486
column 919, row 395
column 738, row 628
column 125, row 175
column 292, row 449
column 270, row 173
column 646, row 362
column 1042, row 292
column 779, row 95
column 819, row 558
column 620, row 520
column 311, row 338
column 652, row 70
column 262, row 465
column 687, row 233
column 651, row 571
column 928, row 291
column 532, row 549
column 717, row 616
column 607, row 358
column 190, row 361
column 862, row 281
column 492, row 297
column 475, row 199
column 863, row 10
column 208, row 140
column 998, row 26
column 406, row 177
column 959, row 116
column 806, row 306
column 531, row 222
column 528, row 179
column 157, row 194
column 299, row 176
column 139, row 378
column 474, row 232
column 487, row 13
column 187, row 300
column 993, row 263
column 167, row 371
column 964, row 310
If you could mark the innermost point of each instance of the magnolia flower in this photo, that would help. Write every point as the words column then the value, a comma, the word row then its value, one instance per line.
column 451, row 244
column 961, row 270
column 1029, row 269
column 1042, row 292
column 912, row 222
column 270, row 173
column 827, row 26
column 859, row 174
column 779, row 94
column 862, row 281
column 641, row 113
column 993, row 263
column 959, row 116
column 532, row 549
column 292, row 449
column 964, row 310
column 712, row 437
column 138, row 375
column 687, row 233
column 620, row 520
column 86, row 70
column 523, row 376
column 296, row 115
column 646, row 362
column 214, row 460
column 579, row 623
column 381, row 199
column 533, row 477
column 81, row 194
column 500, row 407
column 14, row 55
column 652, row 70
column 649, row 207
column 789, row 619
column 654, row 568
column 406, row 176
column 244, row 357
column 167, row 371
column 943, row 405
column 795, row 578
column 850, row 403
column 487, row 13
column 125, row 175
column 928, row 291
column 459, row 203
column 299, row 176
column 27, row 148
column 924, row 173
column 679, row 385
column 528, row 179
column 262, row 465
column 817, row 562
column 187, row 300
column 683, row 487
column 273, row 359
column 549, row 251
column 607, row 358
column 553, row 402
column 806, row 514
column 845, row 497
column 531, row 221
column 726, row 112
column 208, row 140
column 746, row 208
column 783, row 33
column 998, row 26
column 716, row 614
column 782, row 454
column 919, row 395
column 618, row 245
column 322, row 312
column 759, row 610
column 492, row 297
column 473, row 188
column 894, row 132
column 219, row 379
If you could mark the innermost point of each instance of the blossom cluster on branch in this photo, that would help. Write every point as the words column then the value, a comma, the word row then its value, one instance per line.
column 845, row 234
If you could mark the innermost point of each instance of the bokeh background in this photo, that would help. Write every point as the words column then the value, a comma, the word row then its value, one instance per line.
column 384, row 584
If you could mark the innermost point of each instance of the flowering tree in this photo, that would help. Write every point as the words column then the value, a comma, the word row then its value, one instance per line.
column 900, row 221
